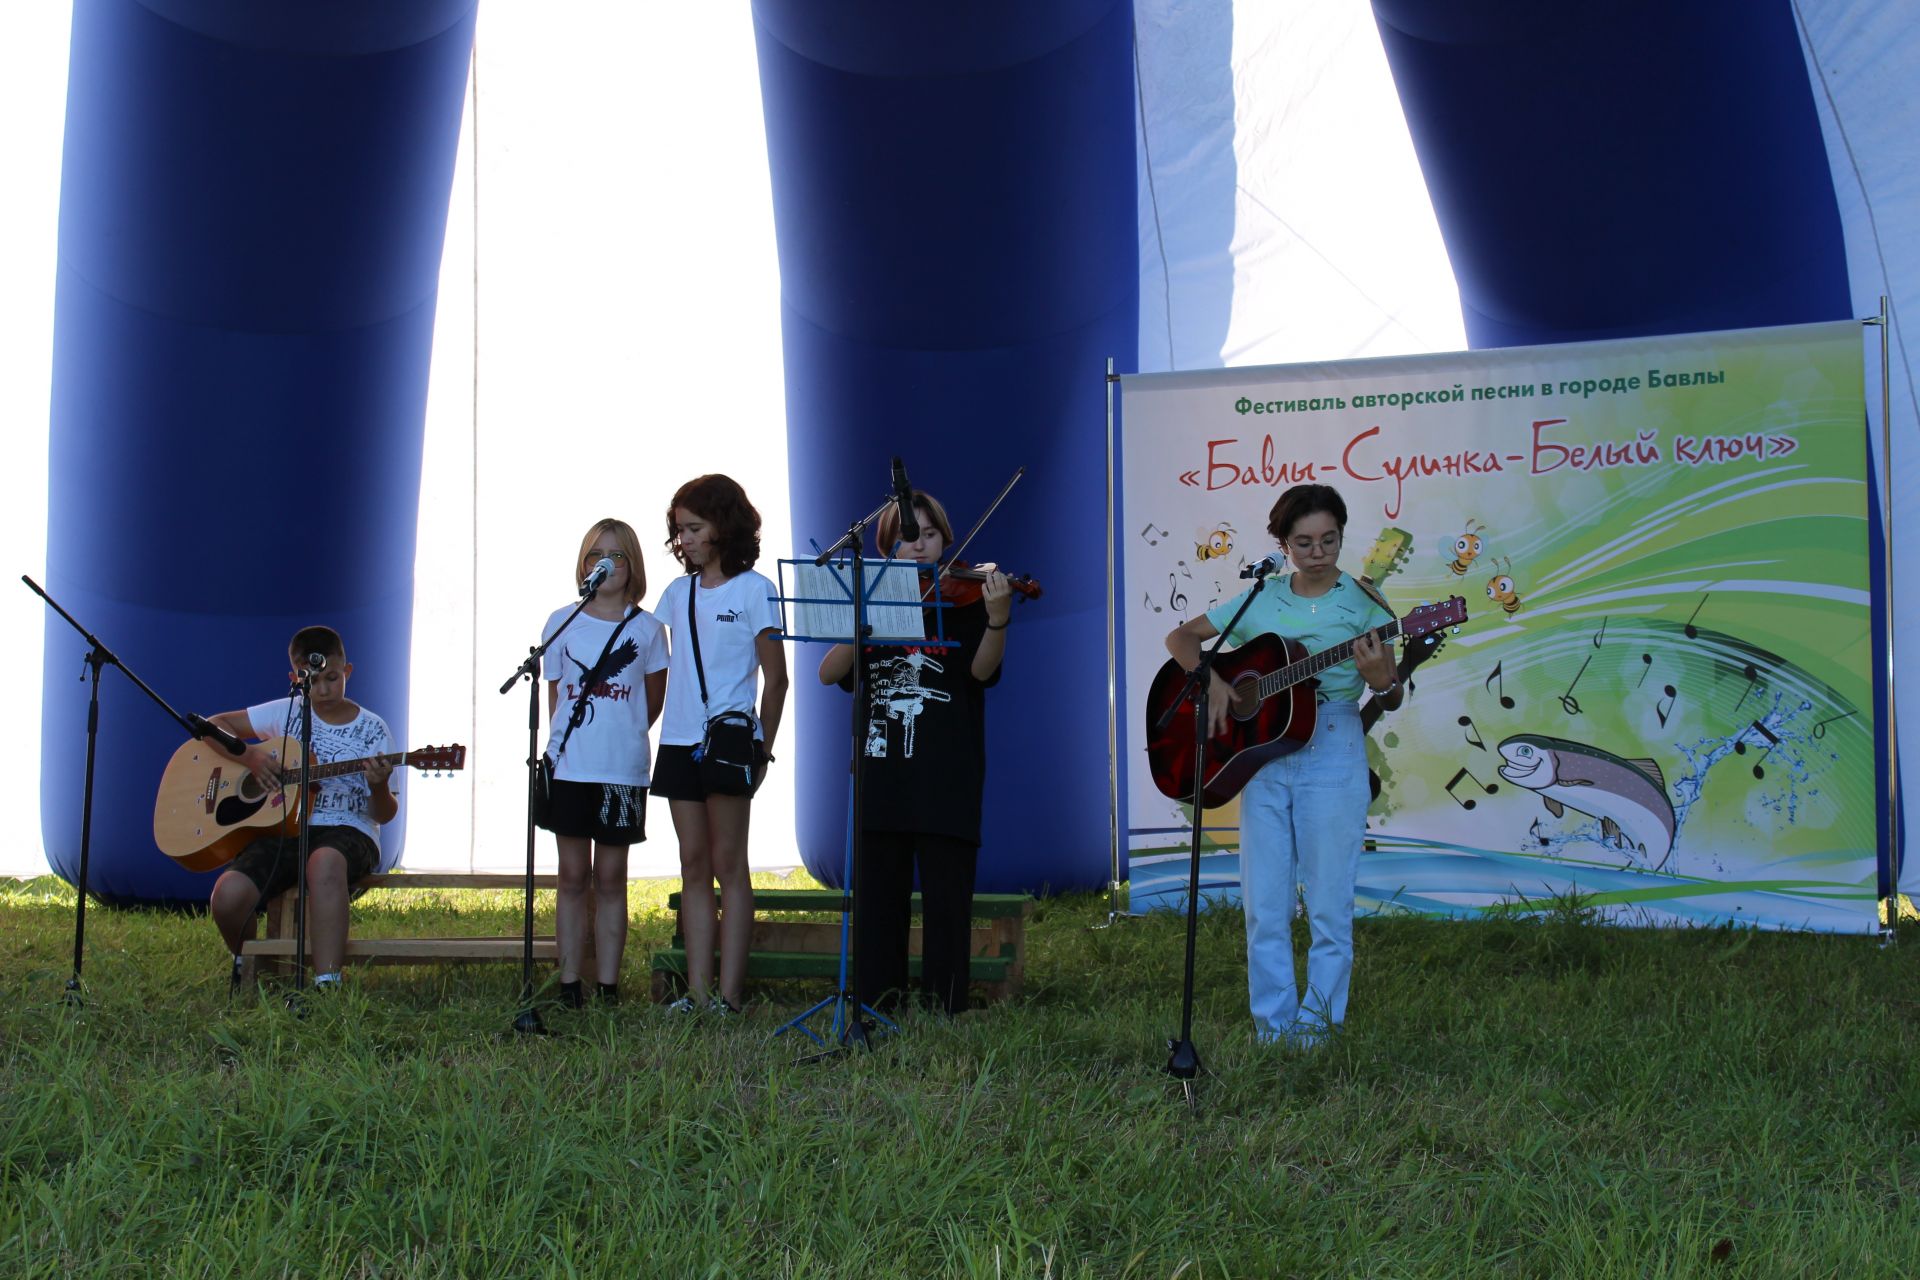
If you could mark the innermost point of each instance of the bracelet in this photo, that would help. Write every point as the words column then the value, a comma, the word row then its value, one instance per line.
column 998, row 626
column 1381, row 693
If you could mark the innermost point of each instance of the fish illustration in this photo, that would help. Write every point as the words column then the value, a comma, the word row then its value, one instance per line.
column 1628, row 796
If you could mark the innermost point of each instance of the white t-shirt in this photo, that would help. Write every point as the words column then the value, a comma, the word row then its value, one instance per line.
column 731, row 617
column 611, row 743
column 345, row 801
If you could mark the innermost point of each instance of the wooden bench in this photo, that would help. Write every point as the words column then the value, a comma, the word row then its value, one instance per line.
column 811, row 948
column 273, row 953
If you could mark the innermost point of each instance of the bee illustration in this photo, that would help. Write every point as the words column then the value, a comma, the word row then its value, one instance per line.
column 1500, row 588
column 1216, row 545
column 1462, row 550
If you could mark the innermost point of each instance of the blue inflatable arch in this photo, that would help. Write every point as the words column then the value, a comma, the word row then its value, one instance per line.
column 252, row 212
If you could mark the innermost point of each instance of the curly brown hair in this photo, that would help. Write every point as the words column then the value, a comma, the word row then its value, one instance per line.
column 722, row 503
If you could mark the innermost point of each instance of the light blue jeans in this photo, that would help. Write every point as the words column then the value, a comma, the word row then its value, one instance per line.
column 1302, row 821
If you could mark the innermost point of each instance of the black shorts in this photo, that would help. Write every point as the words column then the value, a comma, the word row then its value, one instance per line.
column 676, row 775
column 607, row 812
column 273, row 862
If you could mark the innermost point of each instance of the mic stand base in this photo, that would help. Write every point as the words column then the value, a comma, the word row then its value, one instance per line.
column 527, row 1023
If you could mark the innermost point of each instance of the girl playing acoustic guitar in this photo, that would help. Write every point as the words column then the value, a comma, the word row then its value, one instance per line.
column 1303, row 816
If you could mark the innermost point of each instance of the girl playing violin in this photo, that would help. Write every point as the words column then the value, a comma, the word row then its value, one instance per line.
column 926, row 765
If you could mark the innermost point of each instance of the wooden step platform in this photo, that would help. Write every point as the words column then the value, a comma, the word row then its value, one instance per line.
column 809, row 947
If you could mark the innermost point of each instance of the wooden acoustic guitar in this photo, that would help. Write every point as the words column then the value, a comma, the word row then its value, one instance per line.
column 210, row 806
column 1273, row 709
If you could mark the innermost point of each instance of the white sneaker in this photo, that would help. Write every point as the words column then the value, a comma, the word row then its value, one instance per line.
column 684, row 1005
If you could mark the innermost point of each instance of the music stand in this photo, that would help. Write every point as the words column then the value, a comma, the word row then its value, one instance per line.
column 851, row 605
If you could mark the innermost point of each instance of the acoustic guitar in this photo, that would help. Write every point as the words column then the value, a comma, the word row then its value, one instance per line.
column 210, row 806
column 1273, row 708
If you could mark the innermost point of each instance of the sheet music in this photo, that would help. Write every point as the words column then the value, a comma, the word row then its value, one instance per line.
column 892, row 600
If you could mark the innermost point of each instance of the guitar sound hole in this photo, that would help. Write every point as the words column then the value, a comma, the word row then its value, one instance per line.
column 249, row 788
column 1246, row 699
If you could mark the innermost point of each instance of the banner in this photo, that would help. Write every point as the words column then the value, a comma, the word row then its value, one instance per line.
column 1664, row 697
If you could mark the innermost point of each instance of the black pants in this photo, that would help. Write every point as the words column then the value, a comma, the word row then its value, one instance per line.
column 882, row 911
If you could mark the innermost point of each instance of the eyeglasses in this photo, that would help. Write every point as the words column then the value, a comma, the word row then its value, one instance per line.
column 618, row 557
column 1305, row 546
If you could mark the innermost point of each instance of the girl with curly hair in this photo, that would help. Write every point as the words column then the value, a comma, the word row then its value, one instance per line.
column 725, row 629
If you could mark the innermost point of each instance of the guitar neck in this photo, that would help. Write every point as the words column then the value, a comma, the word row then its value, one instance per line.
column 1294, row 672
column 341, row 767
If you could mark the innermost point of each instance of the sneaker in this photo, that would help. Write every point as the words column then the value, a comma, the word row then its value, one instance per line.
column 572, row 996
column 719, row 1008
column 607, row 993
column 684, row 1006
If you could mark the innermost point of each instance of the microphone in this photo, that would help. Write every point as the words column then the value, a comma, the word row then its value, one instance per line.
column 205, row 728
column 1272, row 562
column 316, row 662
column 602, row 570
column 903, row 497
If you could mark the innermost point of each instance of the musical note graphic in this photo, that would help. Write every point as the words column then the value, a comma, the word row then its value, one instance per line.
column 1753, row 679
column 1488, row 787
column 1820, row 730
column 1663, row 713
column 1176, row 598
column 1534, row 833
column 1473, row 732
column 1154, row 541
column 1646, row 669
column 1693, row 632
column 1569, row 703
column 1601, row 634
column 1151, row 605
column 1493, row 675
column 1740, row 748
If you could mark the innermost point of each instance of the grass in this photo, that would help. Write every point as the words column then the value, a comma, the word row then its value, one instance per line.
column 1530, row 1095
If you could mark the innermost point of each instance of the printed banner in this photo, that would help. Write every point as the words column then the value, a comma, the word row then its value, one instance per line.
column 1663, row 697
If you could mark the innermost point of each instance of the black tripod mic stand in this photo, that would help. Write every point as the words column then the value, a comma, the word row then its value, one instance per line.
column 1183, row 1060
column 527, row 1021
column 98, row 657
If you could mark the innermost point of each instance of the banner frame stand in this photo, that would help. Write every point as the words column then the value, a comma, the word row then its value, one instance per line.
column 1890, row 905
column 1114, row 833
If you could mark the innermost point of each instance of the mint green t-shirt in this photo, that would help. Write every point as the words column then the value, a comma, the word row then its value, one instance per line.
column 1318, row 623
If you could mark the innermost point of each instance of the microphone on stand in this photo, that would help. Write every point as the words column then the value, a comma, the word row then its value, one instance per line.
column 903, row 498
column 316, row 662
column 1272, row 562
column 602, row 570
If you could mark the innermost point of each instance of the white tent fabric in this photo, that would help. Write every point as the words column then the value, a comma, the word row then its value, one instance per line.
column 1863, row 58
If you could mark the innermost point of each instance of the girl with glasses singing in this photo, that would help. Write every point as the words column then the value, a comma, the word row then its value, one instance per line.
column 1303, row 816
column 606, row 674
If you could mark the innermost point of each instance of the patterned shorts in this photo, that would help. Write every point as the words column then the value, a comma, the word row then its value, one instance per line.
column 604, row 811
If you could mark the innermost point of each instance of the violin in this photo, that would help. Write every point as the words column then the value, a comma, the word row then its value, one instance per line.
column 961, row 584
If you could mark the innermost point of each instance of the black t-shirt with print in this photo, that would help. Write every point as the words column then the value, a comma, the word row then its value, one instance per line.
column 926, row 732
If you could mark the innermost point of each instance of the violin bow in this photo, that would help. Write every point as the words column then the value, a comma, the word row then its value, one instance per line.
column 981, row 522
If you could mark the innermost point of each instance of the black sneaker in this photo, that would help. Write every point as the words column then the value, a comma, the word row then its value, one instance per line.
column 572, row 996
column 719, row 1008
column 607, row 993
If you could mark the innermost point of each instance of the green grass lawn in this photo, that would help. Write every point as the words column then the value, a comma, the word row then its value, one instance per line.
column 1514, row 1097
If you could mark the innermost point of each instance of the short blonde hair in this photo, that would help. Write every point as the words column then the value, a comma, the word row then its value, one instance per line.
column 629, row 543
column 886, row 530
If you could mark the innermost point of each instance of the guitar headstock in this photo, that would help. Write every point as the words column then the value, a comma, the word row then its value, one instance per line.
column 1387, row 556
column 1427, row 618
column 445, row 759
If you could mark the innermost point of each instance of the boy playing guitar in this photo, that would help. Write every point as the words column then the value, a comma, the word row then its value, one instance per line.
column 347, row 810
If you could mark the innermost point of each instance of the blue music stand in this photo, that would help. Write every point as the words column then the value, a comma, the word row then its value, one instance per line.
column 851, row 585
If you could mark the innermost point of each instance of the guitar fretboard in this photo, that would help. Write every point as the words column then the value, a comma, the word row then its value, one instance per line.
column 341, row 767
column 1294, row 672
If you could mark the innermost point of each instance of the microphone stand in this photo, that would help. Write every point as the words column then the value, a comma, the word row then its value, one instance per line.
column 99, row 656
column 1183, row 1060
column 303, row 684
column 527, row 1021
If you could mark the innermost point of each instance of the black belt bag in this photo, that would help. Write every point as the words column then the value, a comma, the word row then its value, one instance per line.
column 728, row 758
